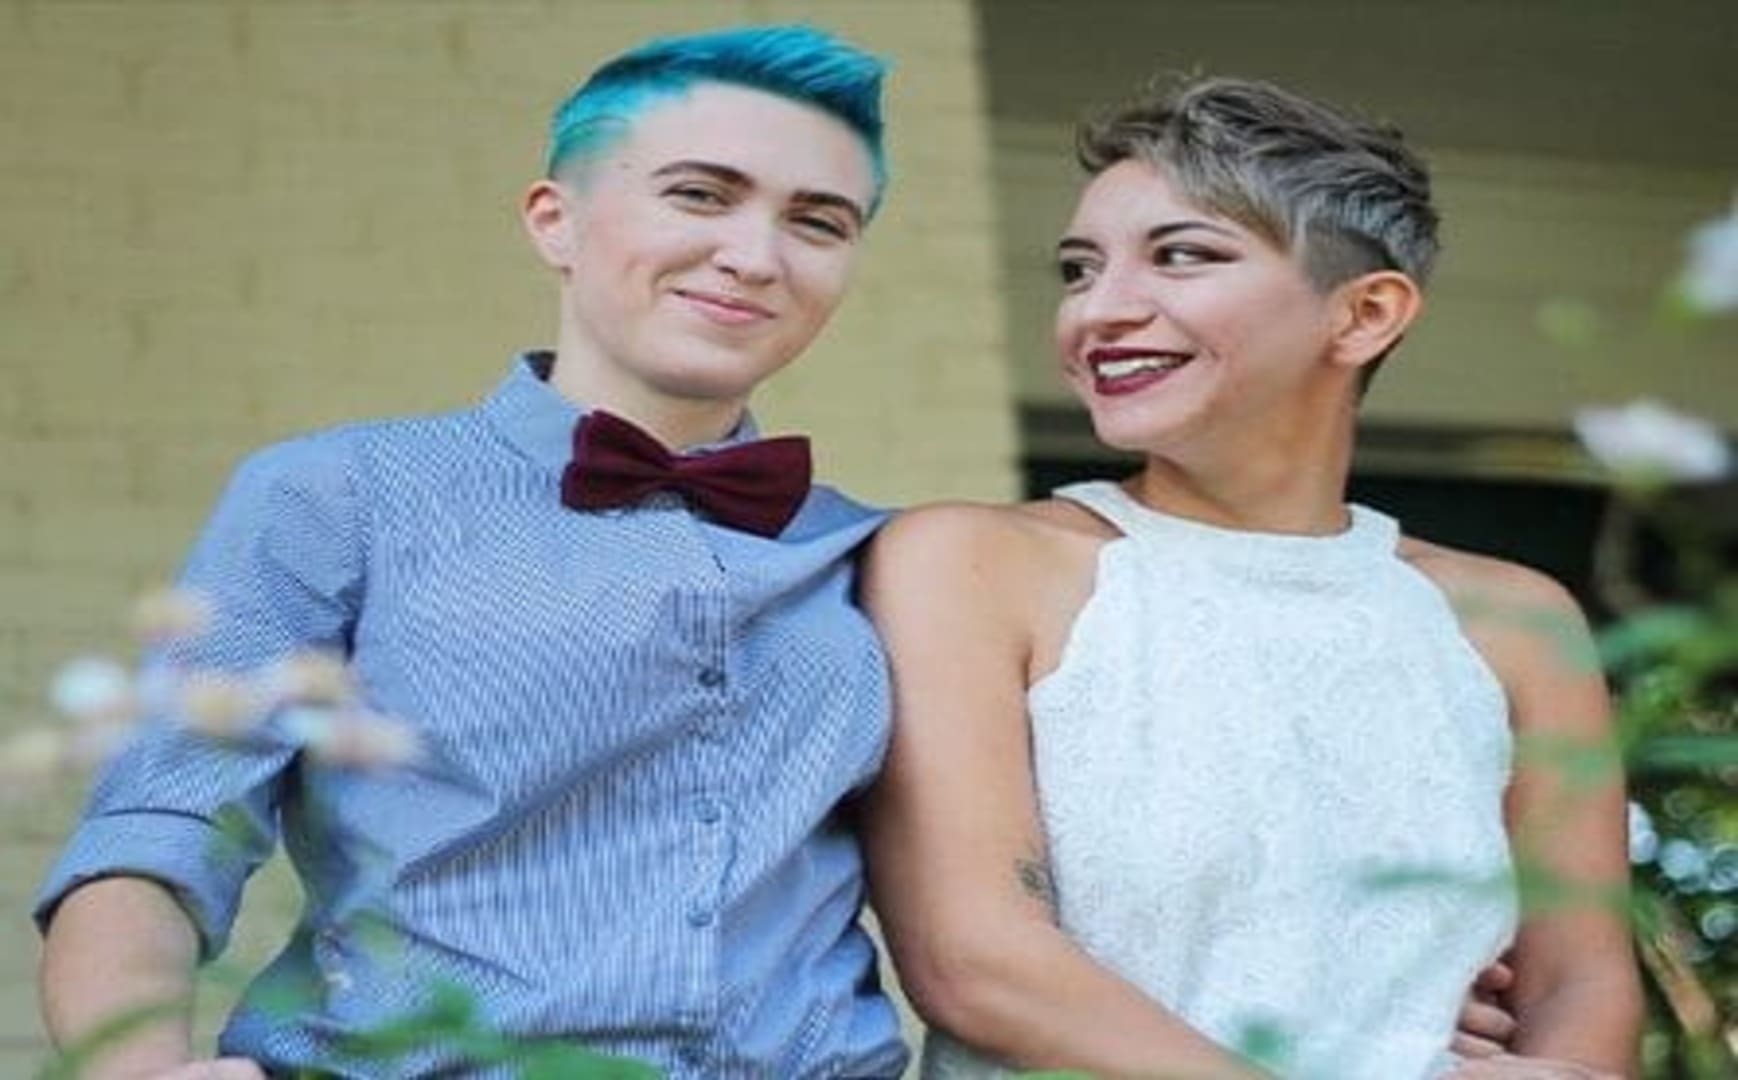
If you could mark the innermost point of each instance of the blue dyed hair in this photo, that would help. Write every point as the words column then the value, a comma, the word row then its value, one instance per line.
column 794, row 62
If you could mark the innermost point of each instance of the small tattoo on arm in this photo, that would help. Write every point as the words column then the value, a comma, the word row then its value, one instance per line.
column 1036, row 881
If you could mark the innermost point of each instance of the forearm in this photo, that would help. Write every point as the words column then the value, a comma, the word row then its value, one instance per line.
column 1036, row 1001
column 1592, row 1020
column 121, row 947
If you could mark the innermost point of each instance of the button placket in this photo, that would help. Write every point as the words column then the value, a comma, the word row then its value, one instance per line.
column 708, row 636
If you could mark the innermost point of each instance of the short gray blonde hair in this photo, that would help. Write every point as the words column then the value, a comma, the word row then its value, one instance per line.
column 1347, row 196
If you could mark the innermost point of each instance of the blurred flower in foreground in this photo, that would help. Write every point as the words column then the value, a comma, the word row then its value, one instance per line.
column 353, row 738
column 1710, row 280
column 102, row 701
column 217, row 705
column 93, row 689
column 170, row 614
column 1646, row 442
column 1644, row 842
column 309, row 678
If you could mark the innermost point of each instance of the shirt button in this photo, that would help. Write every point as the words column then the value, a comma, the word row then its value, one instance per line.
column 709, row 812
column 711, row 678
column 699, row 917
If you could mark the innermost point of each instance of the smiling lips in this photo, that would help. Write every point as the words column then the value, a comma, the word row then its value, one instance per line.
column 723, row 309
column 1126, row 371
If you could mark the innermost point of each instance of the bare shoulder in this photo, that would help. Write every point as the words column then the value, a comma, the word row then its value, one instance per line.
column 1017, row 536
column 1473, row 582
column 1527, row 626
column 1010, row 573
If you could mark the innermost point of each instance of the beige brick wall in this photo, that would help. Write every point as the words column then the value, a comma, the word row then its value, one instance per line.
column 223, row 222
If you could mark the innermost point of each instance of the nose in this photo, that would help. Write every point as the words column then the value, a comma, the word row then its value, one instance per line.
column 747, row 249
column 1118, row 299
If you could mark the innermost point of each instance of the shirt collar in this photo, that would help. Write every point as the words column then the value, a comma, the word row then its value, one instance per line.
column 539, row 422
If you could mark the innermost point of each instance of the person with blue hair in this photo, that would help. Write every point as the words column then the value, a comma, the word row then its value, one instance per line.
column 618, row 621
column 795, row 62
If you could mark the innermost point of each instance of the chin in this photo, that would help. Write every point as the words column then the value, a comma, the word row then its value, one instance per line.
column 1133, row 430
column 1129, row 442
column 706, row 390
column 714, row 378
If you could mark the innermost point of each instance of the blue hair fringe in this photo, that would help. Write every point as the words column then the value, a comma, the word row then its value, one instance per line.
column 796, row 62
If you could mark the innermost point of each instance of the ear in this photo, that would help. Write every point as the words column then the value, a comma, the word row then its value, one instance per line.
column 1373, row 311
column 550, row 222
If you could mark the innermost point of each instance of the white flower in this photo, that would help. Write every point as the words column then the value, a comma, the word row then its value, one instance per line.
column 165, row 615
column 1645, row 440
column 312, row 677
column 1719, row 922
column 1685, row 864
column 1644, row 842
column 353, row 738
column 217, row 705
column 1710, row 280
column 93, row 689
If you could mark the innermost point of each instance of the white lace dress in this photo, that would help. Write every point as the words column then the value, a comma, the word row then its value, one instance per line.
column 1270, row 770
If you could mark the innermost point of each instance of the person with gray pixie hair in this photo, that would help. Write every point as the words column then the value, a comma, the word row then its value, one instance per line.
column 1207, row 772
column 1349, row 196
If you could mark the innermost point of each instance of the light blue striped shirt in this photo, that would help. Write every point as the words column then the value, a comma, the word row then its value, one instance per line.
column 639, row 726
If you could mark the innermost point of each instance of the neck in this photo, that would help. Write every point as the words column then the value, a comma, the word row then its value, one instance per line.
column 1293, row 484
column 582, row 377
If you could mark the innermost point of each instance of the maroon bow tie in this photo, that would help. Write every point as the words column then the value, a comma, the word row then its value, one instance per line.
column 756, row 486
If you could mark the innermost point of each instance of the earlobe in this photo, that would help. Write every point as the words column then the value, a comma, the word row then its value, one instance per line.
column 548, row 219
column 1375, row 310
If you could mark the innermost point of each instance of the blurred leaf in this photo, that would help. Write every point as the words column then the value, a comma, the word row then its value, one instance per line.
column 1679, row 753
column 75, row 1060
column 236, row 835
column 560, row 1061
column 1648, row 635
column 1577, row 762
column 446, row 1019
column 1425, row 877
column 1265, row 1043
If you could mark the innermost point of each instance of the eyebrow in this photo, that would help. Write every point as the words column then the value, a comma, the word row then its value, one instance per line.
column 736, row 178
column 1153, row 236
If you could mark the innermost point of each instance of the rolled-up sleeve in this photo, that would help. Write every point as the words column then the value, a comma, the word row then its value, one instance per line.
column 282, row 563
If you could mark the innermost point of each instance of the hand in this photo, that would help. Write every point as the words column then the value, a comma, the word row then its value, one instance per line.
column 1485, row 1025
column 229, row 1068
column 1510, row 1067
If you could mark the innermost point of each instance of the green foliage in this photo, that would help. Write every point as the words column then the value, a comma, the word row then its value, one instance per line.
column 451, row 1021
column 75, row 1060
column 1674, row 662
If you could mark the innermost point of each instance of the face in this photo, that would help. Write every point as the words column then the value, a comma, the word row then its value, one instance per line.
column 1177, row 323
column 706, row 249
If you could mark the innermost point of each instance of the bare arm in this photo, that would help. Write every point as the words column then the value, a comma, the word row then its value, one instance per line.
column 282, row 563
column 117, row 946
column 1576, row 996
column 956, row 850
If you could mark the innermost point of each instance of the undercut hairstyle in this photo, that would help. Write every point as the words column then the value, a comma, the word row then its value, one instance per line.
column 794, row 62
column 1345, row 196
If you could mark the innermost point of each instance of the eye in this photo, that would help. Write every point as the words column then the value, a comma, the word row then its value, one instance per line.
column 822, row 225
column 700, row 196
column 1073, row 272
column 1182, row 255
